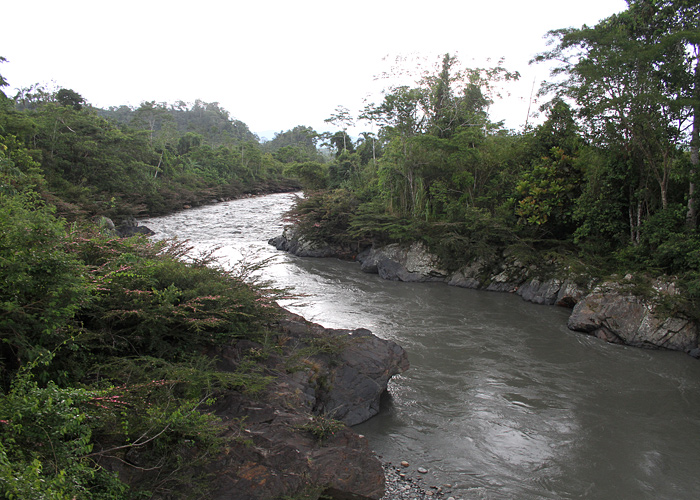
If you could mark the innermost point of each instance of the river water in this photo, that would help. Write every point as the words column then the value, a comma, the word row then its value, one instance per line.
column 502, row 401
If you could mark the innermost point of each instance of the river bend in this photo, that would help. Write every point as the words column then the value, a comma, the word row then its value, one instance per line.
column 502, row 401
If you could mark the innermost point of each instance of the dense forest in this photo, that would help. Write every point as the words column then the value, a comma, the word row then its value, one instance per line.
column 133, row 161
column 606, row 183
column 100, row 335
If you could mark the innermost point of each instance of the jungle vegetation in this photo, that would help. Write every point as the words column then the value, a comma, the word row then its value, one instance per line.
column 607, row 181
column 100, row 335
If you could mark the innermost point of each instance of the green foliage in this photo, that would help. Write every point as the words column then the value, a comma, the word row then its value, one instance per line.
column 479, row 236
column 299, row 142
column 43, row 285
column 666, row 245
column 46, row 444
column 102, row 364
column 68, row 97
column 166, row 122
column 126, row 161
column 18, row 170
column 546, row 194
column 611, row 170
column 312, row 175
column 148, row 302
column 322, row 427
column 372, row 224
column 325, row 216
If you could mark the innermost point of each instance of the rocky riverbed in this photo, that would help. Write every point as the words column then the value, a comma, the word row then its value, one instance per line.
column 404, row 482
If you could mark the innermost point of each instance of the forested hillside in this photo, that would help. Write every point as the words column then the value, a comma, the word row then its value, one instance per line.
column 131, row 161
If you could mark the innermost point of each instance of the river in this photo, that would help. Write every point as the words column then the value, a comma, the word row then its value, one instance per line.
column 502, row 401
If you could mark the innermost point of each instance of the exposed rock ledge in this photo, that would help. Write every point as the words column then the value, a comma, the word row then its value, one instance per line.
column 606, row 311
column 282, row 443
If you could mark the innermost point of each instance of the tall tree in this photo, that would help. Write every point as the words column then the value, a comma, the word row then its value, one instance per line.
column 628, row 76
column 151, row 116
column 343, row 120
column 430, row 126
column 69, row 97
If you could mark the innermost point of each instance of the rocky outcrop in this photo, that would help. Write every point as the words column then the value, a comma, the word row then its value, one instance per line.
column 606, row 312
column 127, row 228
column 290, row 241
column 286, row 442
column 271, row 455
column 415, row 263
column 402, row 263
column 620, row 317
column 348, row 371
column 553, row 291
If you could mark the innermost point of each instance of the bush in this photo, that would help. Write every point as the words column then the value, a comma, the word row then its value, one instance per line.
column 42, row 286
column 45, row 444
column 103, row 363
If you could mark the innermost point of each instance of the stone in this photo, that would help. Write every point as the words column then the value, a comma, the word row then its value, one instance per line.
column 348, row 385
column 470, row 276
column 282, row 459
column 622, row 318
column 290, row 241
column 130, row 227
column 540, row 292
column 403, row 263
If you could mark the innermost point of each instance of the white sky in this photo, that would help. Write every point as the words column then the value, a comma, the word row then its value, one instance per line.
column 272, row 64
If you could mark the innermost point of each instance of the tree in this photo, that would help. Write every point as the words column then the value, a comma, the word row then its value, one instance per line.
column 342, row 119
column 341, row 143
column 302, row 136
column 3, row 83
column 312, row 174
column 432, row 129
column 34, row 96
column 627, row 78
column 68, row 97
column 188, row 141
column 151, row 116
column 547, row 194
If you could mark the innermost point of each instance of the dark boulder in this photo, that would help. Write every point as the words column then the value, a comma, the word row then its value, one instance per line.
column 351, row 368
column 616, row 316
column 290, row 242
column 130, row 227
column 321, row 374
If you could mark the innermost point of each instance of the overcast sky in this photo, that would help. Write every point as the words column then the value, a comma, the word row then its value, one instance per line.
column 273, row 64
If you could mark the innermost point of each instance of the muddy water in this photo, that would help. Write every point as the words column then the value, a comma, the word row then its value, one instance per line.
column 502, row 401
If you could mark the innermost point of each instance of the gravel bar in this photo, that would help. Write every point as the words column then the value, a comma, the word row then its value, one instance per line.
column 406, row 483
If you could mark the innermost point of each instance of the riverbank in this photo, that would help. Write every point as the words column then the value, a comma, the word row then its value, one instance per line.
column 404, row 483
column 294, row 438
column 500, row 400
column 137, row 368
column 611, row 310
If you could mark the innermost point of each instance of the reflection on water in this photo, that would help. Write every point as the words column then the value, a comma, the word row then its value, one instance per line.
column 501, row 401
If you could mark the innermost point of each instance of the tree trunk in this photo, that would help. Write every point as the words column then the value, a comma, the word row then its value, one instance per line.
column 692, row 215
